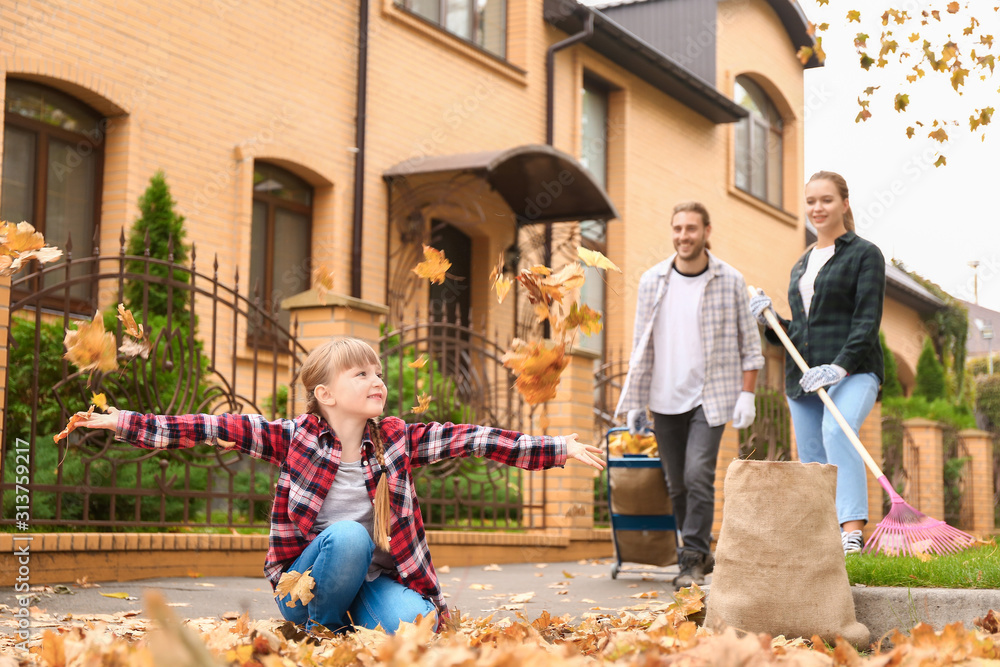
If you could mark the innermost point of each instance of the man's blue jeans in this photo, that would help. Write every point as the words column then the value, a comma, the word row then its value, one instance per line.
column 820, row 439
column 339, row 558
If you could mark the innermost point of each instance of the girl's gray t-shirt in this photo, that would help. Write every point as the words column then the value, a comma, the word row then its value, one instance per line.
column 348, row 501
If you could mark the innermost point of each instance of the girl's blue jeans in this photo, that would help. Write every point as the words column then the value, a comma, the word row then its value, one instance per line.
column 820, row 439
column 339, row 557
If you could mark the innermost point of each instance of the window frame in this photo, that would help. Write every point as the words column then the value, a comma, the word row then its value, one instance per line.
column 771, row 130
column 43, row 132
column 442, row 24
column 264, row 337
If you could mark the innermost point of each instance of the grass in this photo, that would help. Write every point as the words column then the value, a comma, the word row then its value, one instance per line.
column 978, row 567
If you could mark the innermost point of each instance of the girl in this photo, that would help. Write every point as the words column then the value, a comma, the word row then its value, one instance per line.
column 345, row 506
column 836, row 294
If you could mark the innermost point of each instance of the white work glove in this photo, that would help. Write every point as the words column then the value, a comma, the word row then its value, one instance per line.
column 758, row 304
column 637, row 421
column 821, row 376
column 745, row 410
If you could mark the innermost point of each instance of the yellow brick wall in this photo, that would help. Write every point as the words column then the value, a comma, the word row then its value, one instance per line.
column 904, row 334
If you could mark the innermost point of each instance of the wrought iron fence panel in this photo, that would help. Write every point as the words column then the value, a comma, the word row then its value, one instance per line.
column 458, row 369
column 957, row 475
column 90, row 480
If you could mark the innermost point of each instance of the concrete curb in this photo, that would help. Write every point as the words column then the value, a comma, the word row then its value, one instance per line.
column 883, row 609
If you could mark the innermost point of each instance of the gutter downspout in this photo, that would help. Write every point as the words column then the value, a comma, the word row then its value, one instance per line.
column 550, row 103
column 359, row 159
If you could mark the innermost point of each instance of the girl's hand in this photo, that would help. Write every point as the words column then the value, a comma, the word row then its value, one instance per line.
column 108, row 421
column 583, row 453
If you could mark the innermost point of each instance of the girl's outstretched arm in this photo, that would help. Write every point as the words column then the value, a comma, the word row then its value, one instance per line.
column 587, row 454
column 250, row 434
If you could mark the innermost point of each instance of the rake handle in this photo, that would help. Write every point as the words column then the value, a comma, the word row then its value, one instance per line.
column 823, row 395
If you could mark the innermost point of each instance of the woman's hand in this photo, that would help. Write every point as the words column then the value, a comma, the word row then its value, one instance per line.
column 108, row 421
column 583, row 453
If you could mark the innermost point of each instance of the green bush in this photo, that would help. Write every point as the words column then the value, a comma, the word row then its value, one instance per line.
column 988, row 402
column 930, row 381
column 940, row 410
column 891, row 386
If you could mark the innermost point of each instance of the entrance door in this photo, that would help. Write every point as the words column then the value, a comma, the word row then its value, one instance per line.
column 450, row 301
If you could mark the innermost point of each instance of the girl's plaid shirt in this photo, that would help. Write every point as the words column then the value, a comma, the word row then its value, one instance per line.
column 308, row 455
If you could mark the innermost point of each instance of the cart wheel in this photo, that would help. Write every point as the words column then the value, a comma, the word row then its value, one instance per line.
column 615, row 568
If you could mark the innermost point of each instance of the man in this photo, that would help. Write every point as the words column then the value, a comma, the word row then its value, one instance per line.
column 695, row 357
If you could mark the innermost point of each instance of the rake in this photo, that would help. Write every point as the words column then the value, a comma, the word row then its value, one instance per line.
column 904, row 530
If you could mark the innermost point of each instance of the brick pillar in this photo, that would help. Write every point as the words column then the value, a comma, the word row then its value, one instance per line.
column 4, row 342
column 927, row 493
column 729, row 449
column 871, row 437
column 977, row 501
column 568, row 491
column 333, row 315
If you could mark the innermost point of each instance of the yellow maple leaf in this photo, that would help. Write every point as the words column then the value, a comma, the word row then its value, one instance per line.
column 74, row 420
column 133, row 348
column 423, row 403
column 128, row 321
column 296, row 585
column 323, row 282
column 596, row 259
column 500, row 282
column 90, row 347
column 99, row 401
column 538, row 366
column 19, row 243
column 584, row 317
column 419, row 362
column 434, row 267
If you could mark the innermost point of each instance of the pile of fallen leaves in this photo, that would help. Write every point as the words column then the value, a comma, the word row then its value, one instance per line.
column 660, row 635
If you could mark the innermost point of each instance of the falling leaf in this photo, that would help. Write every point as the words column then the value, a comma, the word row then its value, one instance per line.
column 72, row 425
column 901, row 101
column 419, row 362
column 939, row 135
column 323, row 282
column 20, row 243
column 90, row 347
column 423, row 402
column 596, row 259
column 854, row 15
column 133, row 348
column 297, row 585
column 537, row 367
column 805, row 54
column 952, row 7
column 99, row 401
column 434, row 267
column 586, row 318
column 500, row 282
column 128, row 321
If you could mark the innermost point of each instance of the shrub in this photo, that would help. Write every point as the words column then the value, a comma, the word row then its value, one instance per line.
column 891, row 386
column 930, row 382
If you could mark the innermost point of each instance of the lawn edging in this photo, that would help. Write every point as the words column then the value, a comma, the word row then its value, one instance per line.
column 882, row 609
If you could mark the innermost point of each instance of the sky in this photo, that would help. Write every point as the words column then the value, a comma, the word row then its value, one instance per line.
column 934, row 219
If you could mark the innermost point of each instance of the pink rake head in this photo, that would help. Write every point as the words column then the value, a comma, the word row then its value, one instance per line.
column 907, row 531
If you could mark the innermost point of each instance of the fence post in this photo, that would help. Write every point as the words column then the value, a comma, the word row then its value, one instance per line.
column 569, row 491
column 321, row 318
column 977, row 501
column 927, row 495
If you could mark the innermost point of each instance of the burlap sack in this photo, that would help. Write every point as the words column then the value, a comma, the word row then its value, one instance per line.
column 779, row 564
column 638, row 491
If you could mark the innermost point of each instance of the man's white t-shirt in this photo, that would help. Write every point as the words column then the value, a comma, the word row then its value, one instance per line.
column 807, row 283
column 678, row 356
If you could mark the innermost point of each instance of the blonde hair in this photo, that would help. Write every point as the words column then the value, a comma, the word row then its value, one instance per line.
column 320, row 367
column 840, row 183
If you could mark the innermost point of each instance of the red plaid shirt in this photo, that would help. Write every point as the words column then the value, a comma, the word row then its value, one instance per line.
column 308, row 454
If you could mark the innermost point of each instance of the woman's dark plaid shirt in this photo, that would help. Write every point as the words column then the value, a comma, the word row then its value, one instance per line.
column 308, row 454
column 845, row 313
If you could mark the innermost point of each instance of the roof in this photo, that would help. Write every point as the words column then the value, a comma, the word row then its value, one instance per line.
column 616, row 43
column 529, row 178
column 789, row 13
column 975, row 344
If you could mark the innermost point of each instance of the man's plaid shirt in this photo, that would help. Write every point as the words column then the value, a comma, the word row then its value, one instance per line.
column 845, row 313
column 308, row 455
column 730, row 339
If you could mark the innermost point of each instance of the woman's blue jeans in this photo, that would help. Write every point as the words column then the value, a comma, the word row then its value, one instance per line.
column 820, row 439
column 339, row 557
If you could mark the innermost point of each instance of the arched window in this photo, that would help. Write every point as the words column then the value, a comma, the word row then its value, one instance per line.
column 281, row 240
column 53, row 148
column 758, row 144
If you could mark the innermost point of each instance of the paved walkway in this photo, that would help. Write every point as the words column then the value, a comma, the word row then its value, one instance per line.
column 574, row 588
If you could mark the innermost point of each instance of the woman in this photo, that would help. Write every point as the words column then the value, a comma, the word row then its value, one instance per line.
column 836, row 293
